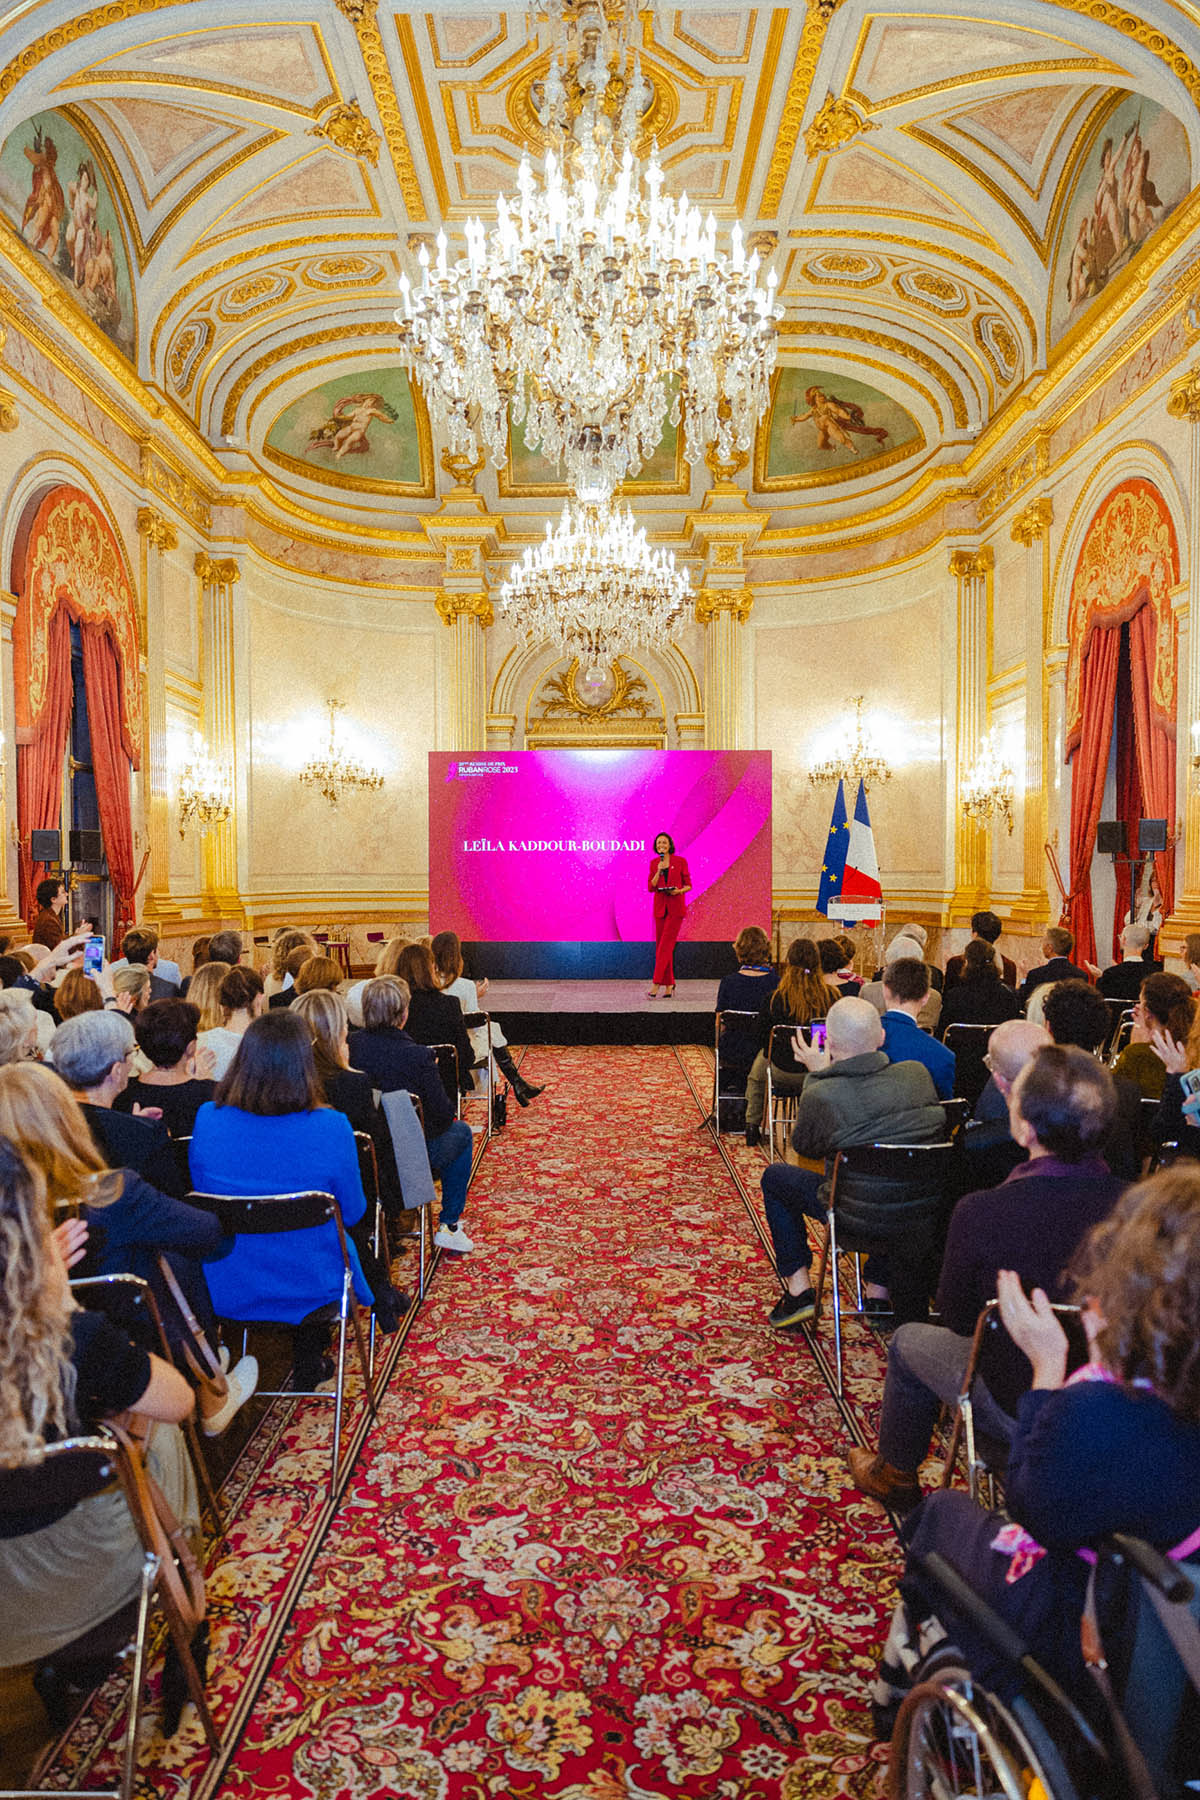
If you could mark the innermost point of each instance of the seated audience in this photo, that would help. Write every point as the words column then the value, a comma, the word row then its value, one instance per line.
column 348, row 1090
column 987, row 1148
column 241, row 1000
column 130, row 989
column 434, row 1017
column 1123, row 980
column 92, row 1054
column 977, row 996
column 1076, row 1014
column 204, row 992
column 316, row 972
column 986, row 928
column 387, row 962
column 63, row 1371
column 802, row 995
column 447, row 955
column 1082, row 1448
column 226, row 947
column 18, row 1027
column 1061, row 1106
column 904, row 948
column 1178, row 1112
column 130, row 1224
column 1164, row 1004
column 267, row 1130
column 853, row 1095
column 139, row 947
column 293, row 962
column 279, row 977
column 920, row 936
column 392, row 1059
column 905, row 989
column 831, row 955
column 747, row 990
column 77, row 993
column 847, row 976
column 1057, row 945
column 174, row 1081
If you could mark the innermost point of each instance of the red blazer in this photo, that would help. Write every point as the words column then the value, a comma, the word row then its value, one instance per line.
column 669, row 906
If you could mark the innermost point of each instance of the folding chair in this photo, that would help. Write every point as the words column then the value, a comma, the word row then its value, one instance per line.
column 956, row 1113
column 981, row 1467
column 482, row 1021
column 77, row 1469
column 781, row 1108
column 1120, row 1023
column 439, row 1052
column 969, row 1044
column 918, row 1176
column 738, row 1024
column 129, row 1303
column 401, row 1110
column 276, row 1215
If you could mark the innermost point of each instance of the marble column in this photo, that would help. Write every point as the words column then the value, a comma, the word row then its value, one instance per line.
column 972, row 864
column 1031, row 527
column 218, row 576
column 462, row 531
column 1184, row 403
column 723, row 533
column 158, row 538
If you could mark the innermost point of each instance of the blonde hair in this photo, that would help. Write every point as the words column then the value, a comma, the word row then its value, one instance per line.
column 204, row 991
column 388, row 960
column 17, row 1020
column 45, row 1124
column 36, row 1374
column 132, row 979
column 324, row 1012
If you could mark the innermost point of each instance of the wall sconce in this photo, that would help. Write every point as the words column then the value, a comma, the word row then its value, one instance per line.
column 338, row 769
column 202, row 792
column 1195, row 746
column 989, row 784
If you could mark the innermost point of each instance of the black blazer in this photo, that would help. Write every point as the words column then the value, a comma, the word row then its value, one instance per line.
column 435, row 1018
column 391, row 1060
column 127, row 1142
column 351, row 1091
column 978, row 1003
column 1059, row 968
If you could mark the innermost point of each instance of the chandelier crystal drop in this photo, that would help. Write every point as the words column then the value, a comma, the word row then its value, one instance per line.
column 857, row 760
column 594, row 587
column 203, row 794
column 989, row 785
column 597, row 307
column 337, row 770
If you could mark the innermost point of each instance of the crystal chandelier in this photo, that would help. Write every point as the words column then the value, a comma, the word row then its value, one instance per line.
column 202, row 795
column 989, row 785
column 337, row 770
column 597, row 306
column 595, row 588
column 857, row 761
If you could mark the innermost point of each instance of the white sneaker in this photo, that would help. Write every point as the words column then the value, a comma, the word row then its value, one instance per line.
column 242, row 1381
column 453, row 1238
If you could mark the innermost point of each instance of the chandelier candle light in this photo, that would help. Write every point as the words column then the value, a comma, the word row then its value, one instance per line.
column 337, row 770
column 989, row 785
column 202, row 794
column 857, row 761
column 597, row 306
column 594, row 587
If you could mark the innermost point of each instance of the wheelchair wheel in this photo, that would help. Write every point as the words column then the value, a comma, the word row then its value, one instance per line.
column 955, row 1741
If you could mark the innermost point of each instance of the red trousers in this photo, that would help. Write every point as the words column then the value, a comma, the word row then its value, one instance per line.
column 666, row 933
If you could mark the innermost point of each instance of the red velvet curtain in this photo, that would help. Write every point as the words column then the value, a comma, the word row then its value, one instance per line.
column 1155, row 747
column 1099, row 691
column 1129, row 793
column 40, row 762
column 102, row 681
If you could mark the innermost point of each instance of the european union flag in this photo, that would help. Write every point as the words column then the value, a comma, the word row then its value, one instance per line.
column 834, row 867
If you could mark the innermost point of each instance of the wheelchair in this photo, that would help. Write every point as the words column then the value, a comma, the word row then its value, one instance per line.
column 956, row 1740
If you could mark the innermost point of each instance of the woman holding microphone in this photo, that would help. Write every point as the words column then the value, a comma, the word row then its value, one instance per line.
column 669, row 881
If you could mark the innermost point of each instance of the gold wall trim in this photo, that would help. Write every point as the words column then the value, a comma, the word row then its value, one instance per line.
column 420, row 99
column 374, row 55
column 787, row 133
column 790, row 328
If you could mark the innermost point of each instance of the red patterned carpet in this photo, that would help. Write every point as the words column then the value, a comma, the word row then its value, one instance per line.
column 599, row 1542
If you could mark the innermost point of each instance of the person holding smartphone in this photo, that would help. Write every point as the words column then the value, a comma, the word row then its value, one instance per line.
column 668, row 881
column 803, row 998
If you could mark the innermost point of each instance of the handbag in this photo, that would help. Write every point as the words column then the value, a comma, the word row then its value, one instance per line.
column 500, row 1108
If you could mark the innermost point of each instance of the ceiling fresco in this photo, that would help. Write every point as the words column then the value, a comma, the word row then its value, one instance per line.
column 238, row 195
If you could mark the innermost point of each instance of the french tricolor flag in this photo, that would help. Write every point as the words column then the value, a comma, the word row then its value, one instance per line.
column 850, row 891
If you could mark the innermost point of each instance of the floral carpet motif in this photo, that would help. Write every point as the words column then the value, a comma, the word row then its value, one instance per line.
column 600, row 1542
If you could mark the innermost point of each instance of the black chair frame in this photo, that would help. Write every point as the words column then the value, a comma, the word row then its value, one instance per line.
column 718, row 1093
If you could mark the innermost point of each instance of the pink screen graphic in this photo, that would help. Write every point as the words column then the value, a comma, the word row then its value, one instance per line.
column 530, row 846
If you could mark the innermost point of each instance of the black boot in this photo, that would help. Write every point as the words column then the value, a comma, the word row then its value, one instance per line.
column 175, row 1693
column 524, row 1090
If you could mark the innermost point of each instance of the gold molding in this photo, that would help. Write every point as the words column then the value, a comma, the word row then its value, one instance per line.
column 361, row 14
column 156, row 530
column 216, row 572
column 1034, row 523
column 881, row 340
column 787, row 132
column 452, row 606
column 837, row 122
column 1184, row 399
column 10, row 418
column 347, row 128
column 964, row 564
column 712, row 602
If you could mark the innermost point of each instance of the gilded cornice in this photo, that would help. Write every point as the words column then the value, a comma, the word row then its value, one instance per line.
column 452, row 606
column 172, row 484
column 361, row 14
column 216, row 572
column 712, row 602
column 156, row 530
column 787, row 131
column 1027, row 466
column 1184, row 401
column 1030, row 526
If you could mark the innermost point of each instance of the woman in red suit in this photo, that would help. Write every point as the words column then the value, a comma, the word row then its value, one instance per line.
column 669, row 882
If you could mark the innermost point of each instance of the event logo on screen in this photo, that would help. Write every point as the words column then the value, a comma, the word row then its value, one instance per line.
column 562, row 849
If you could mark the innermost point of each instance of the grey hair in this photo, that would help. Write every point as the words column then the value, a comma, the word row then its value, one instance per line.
column 87, row 1046
column 17, row 1019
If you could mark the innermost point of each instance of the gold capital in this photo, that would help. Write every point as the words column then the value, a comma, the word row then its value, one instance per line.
column 452, row 606
column 358, row 11
column 10, row 418
column 712, row 602
column 835, row 124
column 966, row 563
column 155, row 529
column 1184, row 401
column 216, row 573
column 1033, row 523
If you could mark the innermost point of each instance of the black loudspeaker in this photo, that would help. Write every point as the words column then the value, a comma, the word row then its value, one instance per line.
column 45, row 846
column 1110, row 837
column 1152, row 834
column 86, row 846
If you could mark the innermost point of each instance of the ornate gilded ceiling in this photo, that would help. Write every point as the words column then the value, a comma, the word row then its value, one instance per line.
column 934, row 186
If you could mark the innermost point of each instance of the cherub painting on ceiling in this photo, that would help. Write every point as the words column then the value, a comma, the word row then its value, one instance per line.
column 50, row 189
column 355, row 430
column 828, row 426
column 346, row 432
column 835, row 417
column 1135, row 174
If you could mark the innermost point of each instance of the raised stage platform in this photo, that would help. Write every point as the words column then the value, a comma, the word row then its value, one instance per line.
column 601, row 1012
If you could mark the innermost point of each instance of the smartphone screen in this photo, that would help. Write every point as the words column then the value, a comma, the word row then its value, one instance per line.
column 817, row 1034
column 93, row 956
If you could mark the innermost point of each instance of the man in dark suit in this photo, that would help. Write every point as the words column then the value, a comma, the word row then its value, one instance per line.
column 1123, row 980
column 1057, row 946
column 987, row 927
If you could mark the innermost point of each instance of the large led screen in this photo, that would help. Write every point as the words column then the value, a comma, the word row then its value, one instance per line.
column 531, row 846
